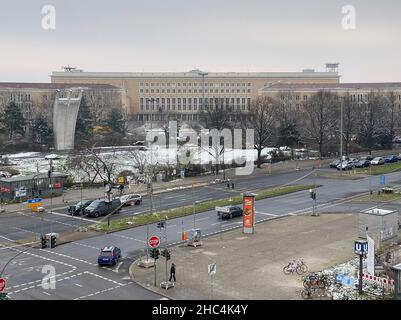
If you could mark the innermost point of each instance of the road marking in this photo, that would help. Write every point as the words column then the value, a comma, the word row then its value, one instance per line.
column 69, row 257
column 18, row 245
column 78, row 285
column 102, row 291
column 125, row 237
column 73, row 217
column 201, row 219
column 46, row 293
column 267, row 214
column 85, row 245
column 8, row 239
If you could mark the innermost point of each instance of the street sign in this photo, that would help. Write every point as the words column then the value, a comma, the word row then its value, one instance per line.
column 211, row 269
column 383, row 180
column 36, row 200
column 361, row 247
column 20, row 192
column 154, row 241
column 3, row 284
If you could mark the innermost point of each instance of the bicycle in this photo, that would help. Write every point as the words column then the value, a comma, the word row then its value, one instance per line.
column 316, row 280
column 297, row 266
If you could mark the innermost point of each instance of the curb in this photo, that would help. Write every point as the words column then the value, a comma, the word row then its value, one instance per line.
column 131, row 274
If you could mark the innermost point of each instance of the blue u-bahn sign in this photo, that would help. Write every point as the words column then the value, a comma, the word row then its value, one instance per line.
column 361, row 247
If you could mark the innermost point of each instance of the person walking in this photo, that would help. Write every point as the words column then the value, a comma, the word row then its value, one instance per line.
column 172, row 272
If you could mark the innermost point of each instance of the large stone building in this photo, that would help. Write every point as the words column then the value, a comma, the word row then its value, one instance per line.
column 299, row 93
column 182, row 95
column 38, row 98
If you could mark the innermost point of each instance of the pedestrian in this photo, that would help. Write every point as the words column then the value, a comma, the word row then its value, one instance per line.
column 172, row 272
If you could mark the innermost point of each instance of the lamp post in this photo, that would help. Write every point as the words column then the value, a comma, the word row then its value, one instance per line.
column 152, row 100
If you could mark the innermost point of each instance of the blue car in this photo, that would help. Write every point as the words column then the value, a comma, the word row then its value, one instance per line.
column 391, row 159
column 109, row 255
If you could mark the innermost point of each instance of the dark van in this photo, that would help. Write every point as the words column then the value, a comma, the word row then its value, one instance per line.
column 101, row 208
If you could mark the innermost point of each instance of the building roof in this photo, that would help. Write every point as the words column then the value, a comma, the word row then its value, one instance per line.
column 52, row 86
column 331, row 86
column 194, row 74
column 26, row 178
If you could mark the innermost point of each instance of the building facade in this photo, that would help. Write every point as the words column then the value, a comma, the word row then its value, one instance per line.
column 39, row 98
column 181, row 96
column 357, row 93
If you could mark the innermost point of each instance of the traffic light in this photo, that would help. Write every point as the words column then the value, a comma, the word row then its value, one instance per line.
column 121, row 187
column 154, row 253
column 160, row 224
column 312, row 194
column 3, row 296
column 166, row 254
column 53, row 241
column 43, row 240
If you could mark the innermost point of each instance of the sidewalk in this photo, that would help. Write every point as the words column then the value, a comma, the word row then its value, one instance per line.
column 250, row 266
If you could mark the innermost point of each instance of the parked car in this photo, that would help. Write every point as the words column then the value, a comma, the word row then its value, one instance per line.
column 101, row 208
column 79, row 207
column 377, row 161
column 390, row 159
column 229, row 212
column 334, row 163
column 362, row 163
column 346, row 165
column 368, row 157
column 131, row 200
column 109, row 255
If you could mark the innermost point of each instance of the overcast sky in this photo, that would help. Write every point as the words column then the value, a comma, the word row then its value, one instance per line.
column 219, row 35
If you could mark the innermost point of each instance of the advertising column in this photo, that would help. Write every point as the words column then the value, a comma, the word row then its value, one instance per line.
column 249, row 212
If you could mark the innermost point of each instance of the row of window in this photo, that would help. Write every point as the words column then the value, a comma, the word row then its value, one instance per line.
column 20, row 97
column 353, row 97
column 195, row 84
column 194, row 91
column 192, row 103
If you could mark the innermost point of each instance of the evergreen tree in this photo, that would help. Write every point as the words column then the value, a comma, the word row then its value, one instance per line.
column 41, row 131
column 115, row 121
column 85, row 122
column 13, row 120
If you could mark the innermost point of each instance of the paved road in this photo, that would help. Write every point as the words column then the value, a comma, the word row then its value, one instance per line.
column 78, row 277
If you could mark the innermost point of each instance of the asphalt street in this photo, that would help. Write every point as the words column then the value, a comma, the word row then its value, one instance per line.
column 78, row 276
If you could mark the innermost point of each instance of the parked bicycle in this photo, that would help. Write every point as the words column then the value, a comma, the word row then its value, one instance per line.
column 297, row 266
column 314, row 280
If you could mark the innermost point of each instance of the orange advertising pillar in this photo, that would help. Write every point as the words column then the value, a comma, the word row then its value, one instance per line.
column 248, row 223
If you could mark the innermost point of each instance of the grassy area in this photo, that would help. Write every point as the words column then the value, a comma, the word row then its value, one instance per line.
column 383, row 197
column 382, row 169
column 126, row 223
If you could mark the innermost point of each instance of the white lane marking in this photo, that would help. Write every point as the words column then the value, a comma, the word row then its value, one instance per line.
column 171, row 226
column 125, row 237
column 267, row 214
column 69, row 257
column 102, row 291
column 25, row 230
column 8, row 239
column 104, row 278
column 46, row 293
column 18, row 245
column 85, row 245
column 78, row 285
column 74, row 217
column 201, row 219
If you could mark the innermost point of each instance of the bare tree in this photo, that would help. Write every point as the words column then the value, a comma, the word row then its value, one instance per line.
column 216, row 119
column 391, row 118
column 321, row 118
column 370, row 120
column 263, row 112
column 350, row 116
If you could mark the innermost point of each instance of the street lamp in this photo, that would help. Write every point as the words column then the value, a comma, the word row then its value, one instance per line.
column 152, row 100
column 194, row 212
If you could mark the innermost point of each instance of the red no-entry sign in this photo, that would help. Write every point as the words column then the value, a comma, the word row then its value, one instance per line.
column 2, row 284
column 154, row 241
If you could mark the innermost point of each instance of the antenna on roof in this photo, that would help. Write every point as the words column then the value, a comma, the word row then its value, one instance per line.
column 68, row 68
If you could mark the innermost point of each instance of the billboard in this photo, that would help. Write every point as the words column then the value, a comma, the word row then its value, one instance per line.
column 249, row 213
